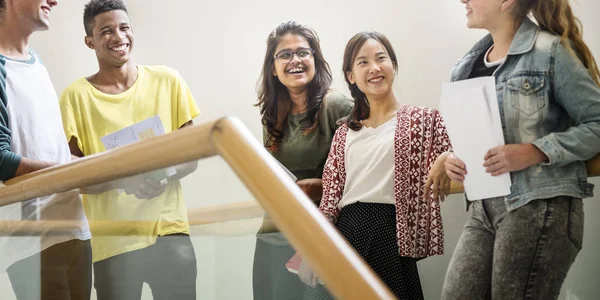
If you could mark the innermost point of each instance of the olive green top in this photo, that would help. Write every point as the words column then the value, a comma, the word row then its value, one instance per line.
column 305, row 153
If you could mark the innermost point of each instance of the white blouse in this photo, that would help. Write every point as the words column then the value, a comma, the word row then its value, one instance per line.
column 370, row 165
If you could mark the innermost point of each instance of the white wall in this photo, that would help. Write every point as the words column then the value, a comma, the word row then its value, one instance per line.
column 218, row 47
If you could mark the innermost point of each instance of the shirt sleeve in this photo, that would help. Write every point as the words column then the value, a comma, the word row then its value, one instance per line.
column 337, row 106
column 187, row 108
column 332, row 186
column 69, row 120
column 9, row 161
column 440, row 134
column 576, row 92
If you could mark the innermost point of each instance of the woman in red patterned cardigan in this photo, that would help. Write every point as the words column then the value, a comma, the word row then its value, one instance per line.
column 376, row 173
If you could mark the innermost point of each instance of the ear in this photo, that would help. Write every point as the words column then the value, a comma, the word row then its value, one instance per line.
column 350, row 77
column 89, row 42
column 507, row 4
column 273, row 71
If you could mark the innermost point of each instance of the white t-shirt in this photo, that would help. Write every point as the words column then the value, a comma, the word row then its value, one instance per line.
column 31, row 127
column 370, row 165
column 493, row 63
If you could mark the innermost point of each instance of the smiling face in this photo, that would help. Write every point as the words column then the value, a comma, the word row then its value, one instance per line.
column 33, row 14
column 294, row 63
column 112, row 38
column 485, row 14
column 372, row 70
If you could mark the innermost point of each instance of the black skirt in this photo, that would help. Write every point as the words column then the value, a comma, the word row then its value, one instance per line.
column 371, row 229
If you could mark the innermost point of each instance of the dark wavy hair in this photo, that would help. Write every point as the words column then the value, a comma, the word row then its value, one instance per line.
column 96, row 7
column 273, row 97
column 361, row 109
column 2, row 7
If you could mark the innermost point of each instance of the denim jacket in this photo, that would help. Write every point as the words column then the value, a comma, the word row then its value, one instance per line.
column 548, row 98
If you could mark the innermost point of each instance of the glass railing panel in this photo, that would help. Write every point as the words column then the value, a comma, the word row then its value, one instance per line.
column 223, row 216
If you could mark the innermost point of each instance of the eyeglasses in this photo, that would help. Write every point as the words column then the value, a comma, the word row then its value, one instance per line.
column 286, row 56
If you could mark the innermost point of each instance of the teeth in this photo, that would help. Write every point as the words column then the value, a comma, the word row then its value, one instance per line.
column 296, row 70
column 120, row 48
column 378, row 79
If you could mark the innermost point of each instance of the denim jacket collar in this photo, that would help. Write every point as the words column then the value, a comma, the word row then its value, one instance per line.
column 523, row 41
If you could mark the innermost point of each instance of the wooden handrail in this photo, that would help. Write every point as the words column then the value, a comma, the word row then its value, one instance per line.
column 345, row 273
column 184, row 145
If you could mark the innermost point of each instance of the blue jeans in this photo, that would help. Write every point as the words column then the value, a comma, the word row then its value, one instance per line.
column 522, row 254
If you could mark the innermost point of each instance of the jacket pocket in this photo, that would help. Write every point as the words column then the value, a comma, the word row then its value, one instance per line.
column 527, row 94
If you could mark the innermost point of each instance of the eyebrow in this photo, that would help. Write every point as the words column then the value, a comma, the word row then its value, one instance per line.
column 376, row 54
column 109, row 26
column 290, row 49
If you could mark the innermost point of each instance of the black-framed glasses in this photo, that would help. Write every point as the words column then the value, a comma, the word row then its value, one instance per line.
column 286, row 56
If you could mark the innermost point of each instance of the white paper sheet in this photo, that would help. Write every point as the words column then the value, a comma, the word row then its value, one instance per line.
column 137, row 132
column 472, row 117
column 143, row 130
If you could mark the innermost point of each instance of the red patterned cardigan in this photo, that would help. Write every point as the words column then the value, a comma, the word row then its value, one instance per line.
column 420, row 137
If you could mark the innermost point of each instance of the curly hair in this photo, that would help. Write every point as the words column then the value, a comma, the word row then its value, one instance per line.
column 96, row 7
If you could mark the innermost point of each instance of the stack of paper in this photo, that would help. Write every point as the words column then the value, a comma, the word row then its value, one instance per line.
column 472, row 117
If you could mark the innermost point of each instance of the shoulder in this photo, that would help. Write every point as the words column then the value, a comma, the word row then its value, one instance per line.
column 418, row 110
column 335, row 100
column 335, row 107
column 76, row 88
column 556, row 50
column 546, row 43
column 545, row 40
column 161, row 72
column 340, row 133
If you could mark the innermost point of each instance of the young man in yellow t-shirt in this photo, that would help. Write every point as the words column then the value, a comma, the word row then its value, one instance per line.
column 158, row 251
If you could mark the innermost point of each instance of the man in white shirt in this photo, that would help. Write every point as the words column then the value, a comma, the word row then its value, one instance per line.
column 49, row 265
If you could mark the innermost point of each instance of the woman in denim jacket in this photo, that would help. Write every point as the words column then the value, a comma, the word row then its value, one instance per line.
column 547, row 81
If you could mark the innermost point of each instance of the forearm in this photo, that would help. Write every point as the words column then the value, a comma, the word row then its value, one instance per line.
column 184, row 170
column 27, row 166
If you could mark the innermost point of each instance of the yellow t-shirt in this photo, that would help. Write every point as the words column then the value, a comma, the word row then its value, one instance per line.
column 89, row 114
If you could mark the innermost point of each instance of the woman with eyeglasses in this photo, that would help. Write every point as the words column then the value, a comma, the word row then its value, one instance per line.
column 299, row 117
